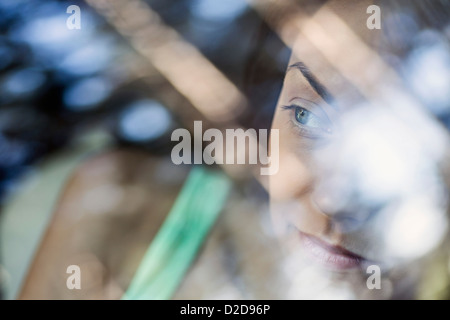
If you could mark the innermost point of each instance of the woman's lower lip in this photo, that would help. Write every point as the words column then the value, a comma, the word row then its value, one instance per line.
column 327, row 255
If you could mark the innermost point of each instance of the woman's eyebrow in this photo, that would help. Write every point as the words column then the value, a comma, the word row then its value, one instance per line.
column 314, row 83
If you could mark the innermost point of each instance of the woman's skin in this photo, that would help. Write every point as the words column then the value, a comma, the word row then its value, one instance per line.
column 105, row 218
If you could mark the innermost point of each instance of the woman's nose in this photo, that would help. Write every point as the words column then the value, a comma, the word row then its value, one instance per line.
column 343, row 205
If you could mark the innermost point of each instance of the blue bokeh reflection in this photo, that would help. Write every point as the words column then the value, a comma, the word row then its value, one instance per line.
column 87, row 93
column 144, row 120
column 218, row 10
column 21, row 84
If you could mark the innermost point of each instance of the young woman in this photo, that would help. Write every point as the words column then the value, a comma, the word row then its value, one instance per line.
column 358, row 205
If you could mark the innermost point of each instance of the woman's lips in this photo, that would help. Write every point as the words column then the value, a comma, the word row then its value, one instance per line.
column 330, row 256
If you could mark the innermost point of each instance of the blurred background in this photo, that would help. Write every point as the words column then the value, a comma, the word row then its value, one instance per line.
column 136, row 70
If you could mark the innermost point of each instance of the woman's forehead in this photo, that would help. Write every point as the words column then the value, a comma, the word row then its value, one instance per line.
column 344, row 89
column 336, row 45
column 353, row 65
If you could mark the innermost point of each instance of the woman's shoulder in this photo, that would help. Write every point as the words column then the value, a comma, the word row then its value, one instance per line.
column 108, row 214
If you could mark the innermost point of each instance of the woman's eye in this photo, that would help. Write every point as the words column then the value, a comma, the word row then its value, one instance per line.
column 308, row 123
column 307, row 118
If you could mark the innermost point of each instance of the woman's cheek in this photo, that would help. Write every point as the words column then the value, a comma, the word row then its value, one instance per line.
column 293, row 178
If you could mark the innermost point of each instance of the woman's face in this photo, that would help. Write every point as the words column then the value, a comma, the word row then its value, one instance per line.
column 352, row 190
column 302, row 202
